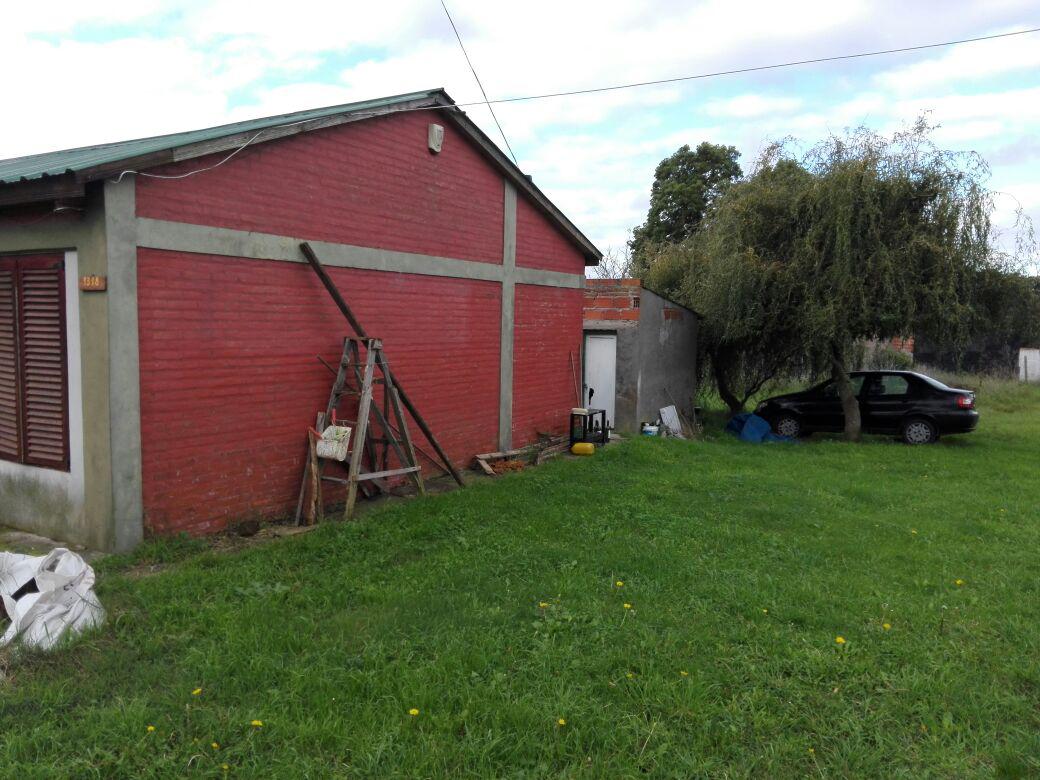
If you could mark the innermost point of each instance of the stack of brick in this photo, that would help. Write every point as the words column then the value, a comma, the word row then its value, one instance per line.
column 612, row 299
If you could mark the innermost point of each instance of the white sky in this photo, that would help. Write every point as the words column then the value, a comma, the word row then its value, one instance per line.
column 79, row 73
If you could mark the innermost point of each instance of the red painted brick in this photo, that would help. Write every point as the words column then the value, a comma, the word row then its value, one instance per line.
column 547, row 339
column 540, row 244
column 371, row 183
column 229, row 382
column 229, row 379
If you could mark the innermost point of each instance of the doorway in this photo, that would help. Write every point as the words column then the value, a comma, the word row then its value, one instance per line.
column 600, row 372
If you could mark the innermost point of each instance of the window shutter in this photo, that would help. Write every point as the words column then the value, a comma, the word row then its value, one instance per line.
column 9, row 401
column 42, row 342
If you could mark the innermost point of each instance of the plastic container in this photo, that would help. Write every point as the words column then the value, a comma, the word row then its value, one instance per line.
column 651, row 430
column 583, row 448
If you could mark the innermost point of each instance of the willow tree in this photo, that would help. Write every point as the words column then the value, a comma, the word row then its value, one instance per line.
column 863, row 237
column 735, row 272
column 892, row 233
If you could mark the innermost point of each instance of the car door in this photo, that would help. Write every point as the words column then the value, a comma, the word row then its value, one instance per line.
column 825, row 413
column 885, row 403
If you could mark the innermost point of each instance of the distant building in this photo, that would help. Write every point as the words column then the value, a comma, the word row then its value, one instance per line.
column 1029, row 364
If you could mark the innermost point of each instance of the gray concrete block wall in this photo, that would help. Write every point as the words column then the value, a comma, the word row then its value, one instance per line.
column 667, row 356
column 656, row 361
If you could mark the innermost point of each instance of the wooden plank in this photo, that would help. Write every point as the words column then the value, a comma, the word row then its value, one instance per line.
column 315, row 515
column 395, row 403
column 388, row 473
column 361, row 433
column 330, row 286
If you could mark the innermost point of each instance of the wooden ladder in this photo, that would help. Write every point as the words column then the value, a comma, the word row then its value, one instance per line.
column 363, row 444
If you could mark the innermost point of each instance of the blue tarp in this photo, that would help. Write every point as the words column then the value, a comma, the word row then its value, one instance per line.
column 752, row 428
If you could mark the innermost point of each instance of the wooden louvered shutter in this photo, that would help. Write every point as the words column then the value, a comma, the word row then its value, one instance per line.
column 10, row 403
column 41, row 337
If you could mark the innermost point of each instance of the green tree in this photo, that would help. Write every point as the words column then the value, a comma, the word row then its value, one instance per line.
column 750, row 329
column 863, row 237
column 685, row 185
column 892, row 234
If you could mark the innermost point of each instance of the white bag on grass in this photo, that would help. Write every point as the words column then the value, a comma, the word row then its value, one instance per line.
column 47, row 597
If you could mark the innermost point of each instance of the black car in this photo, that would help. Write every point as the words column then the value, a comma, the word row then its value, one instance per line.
column 916, row 407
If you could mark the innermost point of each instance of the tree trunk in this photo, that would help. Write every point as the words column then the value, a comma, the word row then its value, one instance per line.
column 849, row 402
column 727, row 396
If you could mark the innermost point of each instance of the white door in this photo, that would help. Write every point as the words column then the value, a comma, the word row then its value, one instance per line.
column 600, row 368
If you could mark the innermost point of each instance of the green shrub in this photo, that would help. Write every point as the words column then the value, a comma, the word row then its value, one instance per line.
column 887, row 358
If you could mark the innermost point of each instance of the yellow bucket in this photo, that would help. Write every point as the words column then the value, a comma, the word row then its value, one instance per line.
column 583, row 448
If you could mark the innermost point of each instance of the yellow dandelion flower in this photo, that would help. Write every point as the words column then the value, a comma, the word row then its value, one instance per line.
column 215, row 745
column 626, row 605
column 886, row 626
column 561, row 722
column 765, row 611
column 913, row 531
column 225, row 767
column 256, row 723
column 840, row 640
column 812, row 752
column 151, row 729
column 543, row 604
column 629, row 675
column 620, row 583
column 197, row 692
column 414, row 711
column 684, row 673
column 958, row 583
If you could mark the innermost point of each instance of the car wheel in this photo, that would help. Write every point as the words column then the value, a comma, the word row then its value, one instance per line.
column 786, row 425
column 919, row 431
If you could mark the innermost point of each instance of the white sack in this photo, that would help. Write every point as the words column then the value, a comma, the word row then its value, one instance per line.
column 65, row 602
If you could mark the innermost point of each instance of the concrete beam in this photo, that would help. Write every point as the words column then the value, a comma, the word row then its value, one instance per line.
column 506, row 333
column 124, row 370
column 201, row 239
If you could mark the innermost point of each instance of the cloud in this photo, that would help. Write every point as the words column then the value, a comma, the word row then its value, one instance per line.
column 969, row 62
column 112, row 69
column 751, row 106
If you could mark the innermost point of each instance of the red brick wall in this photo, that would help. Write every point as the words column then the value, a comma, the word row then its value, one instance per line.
column 547, row 336
column 612, row 299
column 371, row 183
column 540, row 244
column 229, row 379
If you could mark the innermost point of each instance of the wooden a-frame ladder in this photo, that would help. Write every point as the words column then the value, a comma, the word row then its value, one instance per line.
column 395, row 437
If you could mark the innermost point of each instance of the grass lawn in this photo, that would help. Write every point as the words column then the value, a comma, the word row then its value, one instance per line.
column 499, row 614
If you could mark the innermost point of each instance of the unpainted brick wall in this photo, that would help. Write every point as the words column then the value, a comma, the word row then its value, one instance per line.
column 612, row 299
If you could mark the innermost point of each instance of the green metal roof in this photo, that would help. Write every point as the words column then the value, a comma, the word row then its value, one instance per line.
column 38, row 166
column 63, row 173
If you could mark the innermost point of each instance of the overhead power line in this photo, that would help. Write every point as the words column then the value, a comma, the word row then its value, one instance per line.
column 477, row 78
column 755, row 68
column 632, row 85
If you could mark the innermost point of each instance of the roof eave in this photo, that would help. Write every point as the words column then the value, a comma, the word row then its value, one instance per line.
column 45, row 188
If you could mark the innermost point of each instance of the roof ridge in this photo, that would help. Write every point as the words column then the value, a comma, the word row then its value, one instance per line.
column 231, row 127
